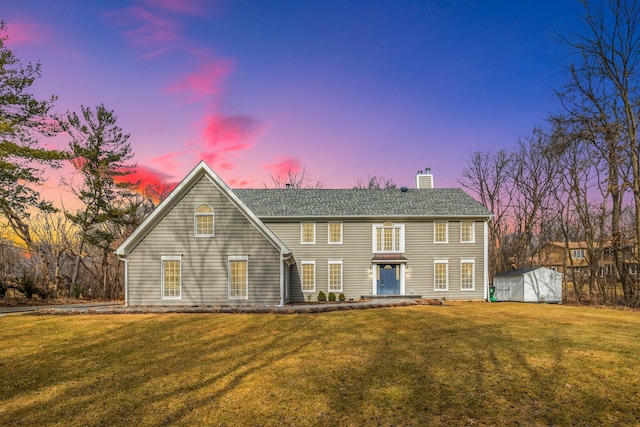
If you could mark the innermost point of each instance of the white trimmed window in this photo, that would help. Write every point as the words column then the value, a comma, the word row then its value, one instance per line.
column 440, row 232
column 467, row 275
column 335, row 276
column 308, row 276
column 441, row 275
column 335, row 233
column 171, row 276
column 467, row 232
column 308, row 232
column 203, row 221
column 577, row 254
column 238, row 277
column 388, row 238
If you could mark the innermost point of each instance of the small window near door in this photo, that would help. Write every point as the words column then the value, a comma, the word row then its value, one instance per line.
column 388, row 238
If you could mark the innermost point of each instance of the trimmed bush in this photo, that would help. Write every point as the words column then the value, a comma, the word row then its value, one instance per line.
column 322, row 296
column 341, row 297
column 332, row 296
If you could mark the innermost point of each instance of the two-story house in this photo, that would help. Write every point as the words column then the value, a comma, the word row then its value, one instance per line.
column 563, row 258
column 207, row 244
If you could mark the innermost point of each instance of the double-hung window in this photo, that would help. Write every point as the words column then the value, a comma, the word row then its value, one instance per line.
column 203, row 221
column 308, row 276
column 440, row 232
column 335, row 233
column 467, row 232
column 335, row 276
column 238, row 277
column 441, row 275
column 171, row 276
column 308, row 233
column 467, row 275
column 388, row 238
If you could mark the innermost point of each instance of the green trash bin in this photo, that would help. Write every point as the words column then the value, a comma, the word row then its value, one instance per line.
column 492, row 296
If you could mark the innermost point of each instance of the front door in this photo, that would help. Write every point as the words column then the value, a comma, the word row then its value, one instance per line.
column 388, row 279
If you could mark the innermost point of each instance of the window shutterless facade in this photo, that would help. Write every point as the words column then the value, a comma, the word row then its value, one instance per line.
column 467, row 232
column 238, row 277
column 440, row 232
column 441, row 275
column 467, row 275
column 335, row 233
column 171, row 276
column 335, row 276
column 308, row 232
column 308, row 276
column 388, row 238
column 204, row 221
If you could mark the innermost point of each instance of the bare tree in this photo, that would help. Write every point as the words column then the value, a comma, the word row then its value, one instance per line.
column 56, row 240
column 290, row 179
column 533, row 172
column 375, row 182
column 603, row 95
column 486, row 175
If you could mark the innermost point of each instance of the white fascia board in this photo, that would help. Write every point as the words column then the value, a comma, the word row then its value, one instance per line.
column 177, row 192
column 201, row 169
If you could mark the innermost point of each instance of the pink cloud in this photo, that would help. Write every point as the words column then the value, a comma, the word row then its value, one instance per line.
column 149, row 182
column 204, row 82
column 25, row 32
column 225, row 166
column 227, row 133
column 284, row 166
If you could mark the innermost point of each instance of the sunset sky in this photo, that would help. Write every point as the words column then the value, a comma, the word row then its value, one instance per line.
column 346, row 89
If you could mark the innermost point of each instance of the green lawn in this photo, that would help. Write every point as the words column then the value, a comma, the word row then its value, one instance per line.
column 461, row 364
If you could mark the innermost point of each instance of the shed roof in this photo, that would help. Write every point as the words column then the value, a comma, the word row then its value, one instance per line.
column 436, row 202
column 520, row 272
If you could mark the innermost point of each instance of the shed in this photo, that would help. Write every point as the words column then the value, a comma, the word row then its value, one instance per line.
column 538, row 284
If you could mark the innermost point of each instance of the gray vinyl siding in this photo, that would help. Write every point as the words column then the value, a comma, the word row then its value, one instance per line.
column 204, row 268
column 356, row 254
column 421, row 252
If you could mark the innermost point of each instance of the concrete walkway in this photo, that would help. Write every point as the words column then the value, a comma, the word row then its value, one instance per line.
column 115, row 308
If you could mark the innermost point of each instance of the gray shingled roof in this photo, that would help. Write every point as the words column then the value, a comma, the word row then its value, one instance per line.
column 437, row 202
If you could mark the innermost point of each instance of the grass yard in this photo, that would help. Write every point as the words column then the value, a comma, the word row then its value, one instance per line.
column 461, row 364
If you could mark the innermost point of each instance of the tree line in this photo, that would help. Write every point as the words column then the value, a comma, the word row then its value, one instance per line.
column 576, row 179
column 48, row 251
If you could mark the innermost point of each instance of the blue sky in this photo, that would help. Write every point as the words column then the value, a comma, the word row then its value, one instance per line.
column 345, row 89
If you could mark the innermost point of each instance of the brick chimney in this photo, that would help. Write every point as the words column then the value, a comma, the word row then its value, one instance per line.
column 424, row 179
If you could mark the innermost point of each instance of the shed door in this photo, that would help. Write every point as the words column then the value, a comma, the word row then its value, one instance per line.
column 503, row 289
